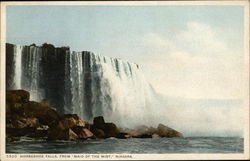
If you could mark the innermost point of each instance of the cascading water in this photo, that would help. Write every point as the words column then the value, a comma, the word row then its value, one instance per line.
column 31, row 64
column 18, row 66
column 107, row 86
column 83, row 83
column 91, row 85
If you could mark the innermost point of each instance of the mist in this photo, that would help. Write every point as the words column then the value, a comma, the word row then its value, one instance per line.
column 202, row 117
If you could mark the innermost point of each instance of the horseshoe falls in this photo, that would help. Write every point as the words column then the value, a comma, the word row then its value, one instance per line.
column 84, row 83
column 91, row 85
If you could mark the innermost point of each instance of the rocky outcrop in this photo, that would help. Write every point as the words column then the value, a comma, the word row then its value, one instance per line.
column 17, row 96
column 38, row 119
column 82, row 132
column 45, row 114
column 70, row 121
column 151, row 132
column 164, row 131
column 104, row 130
column 69, row 127
column 65, row 134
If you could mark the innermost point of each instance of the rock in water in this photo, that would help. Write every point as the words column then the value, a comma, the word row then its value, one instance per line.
column 69, row 121
column 165, row 131
column 98, row 133
column 99, row 122
column 111, row 130
column 66, row 134
column 150, row 132
column 104, row 130
column 82, row 132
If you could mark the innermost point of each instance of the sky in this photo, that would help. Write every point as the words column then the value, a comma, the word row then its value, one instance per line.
column 184, row 51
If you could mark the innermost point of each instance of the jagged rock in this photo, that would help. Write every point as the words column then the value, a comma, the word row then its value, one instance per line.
column 34, row 119
column 82, row 132
column 70, row 121
column 45, row 114
column 110, row 130
column 69, row 127
column 150, row 132
column 98, row 133
column 140, row 132
column 165, row 131
column 99, row 127
column 99, row 122
column 88, row 125
column 62, row 134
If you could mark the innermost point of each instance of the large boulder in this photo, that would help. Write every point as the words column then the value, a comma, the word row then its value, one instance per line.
column 99, row 122
column 110, row 130
column 151, row 132
column 82, row 132
column 98, row 133
column 69, row 121
column 141, row 132
column 61, row 134
column 164, row 131
column 104, row 130
column 45, row 114
column 69, row 127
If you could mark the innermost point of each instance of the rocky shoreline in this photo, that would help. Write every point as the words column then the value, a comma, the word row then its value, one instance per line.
column 39, row 120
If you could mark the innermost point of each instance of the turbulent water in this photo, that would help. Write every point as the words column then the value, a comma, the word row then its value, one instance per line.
column 133, row 145
column 81, row 82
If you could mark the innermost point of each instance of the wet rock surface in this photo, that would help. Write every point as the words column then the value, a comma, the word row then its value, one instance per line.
column 151, row 132
column 39, row 120
column 104, row 130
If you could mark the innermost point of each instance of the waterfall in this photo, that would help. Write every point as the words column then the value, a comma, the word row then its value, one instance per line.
column 91, row 85
column 17, row 66
column 31, row 70
column 84, row 83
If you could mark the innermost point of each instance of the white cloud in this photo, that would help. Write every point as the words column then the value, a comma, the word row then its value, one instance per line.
column 195, row 63
column 202, row 40
column 157, row 41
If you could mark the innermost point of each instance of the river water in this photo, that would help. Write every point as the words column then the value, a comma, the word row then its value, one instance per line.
column 130, row 146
